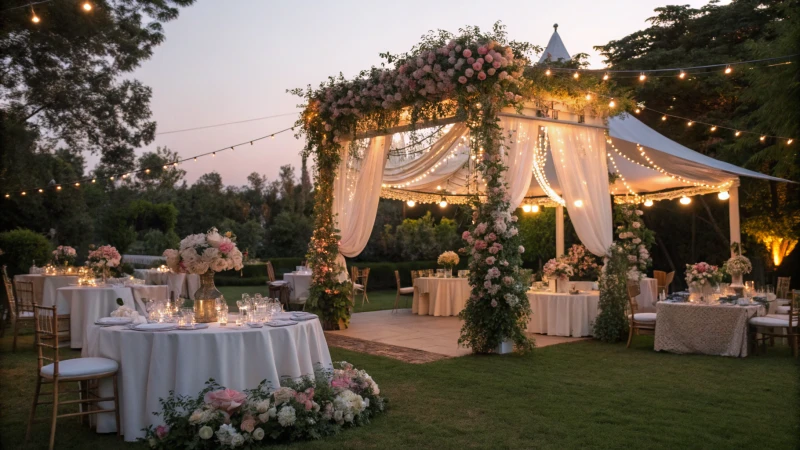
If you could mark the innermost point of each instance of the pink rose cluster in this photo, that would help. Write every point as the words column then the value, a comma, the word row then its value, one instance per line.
column 227, row 400
column 104, row 256
column 199, row 253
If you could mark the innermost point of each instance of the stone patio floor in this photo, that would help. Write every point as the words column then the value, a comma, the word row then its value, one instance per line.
column 437, row 335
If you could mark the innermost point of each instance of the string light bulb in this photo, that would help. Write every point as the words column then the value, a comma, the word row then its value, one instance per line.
column 728, row 70
column 724, row 195
column 789, row 142
column 41, row 190
column 411, row 203
column 637, row 110
column 526, row 208
column 685, row 200
column 682, row 75
column 34, row 17
column 612, row 104
column 576, row 75
column 762, row 138
column 58, row 188
column 642, row 76
column 713, row 128
column 738, row 133
column 94, row 180
column 443, row 203
column 24, row 193
column 605, row 77
column 690, row 123
column 77, row 185
column 8, row 195
column 663, row 118
column 87, row 6
column 535, row 208
column 578, row 203
column 547, row 72
column 648, row 203
column 588, row 97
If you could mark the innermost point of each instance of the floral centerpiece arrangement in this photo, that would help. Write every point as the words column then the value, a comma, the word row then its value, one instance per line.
column 634, row 238
column 205, row 254
column 584, row 265
column 311, row 408
column 558, row 268
column 448, row 260
column 701, row 277
column 103, row 259
column 737, row 266
column 64, row 255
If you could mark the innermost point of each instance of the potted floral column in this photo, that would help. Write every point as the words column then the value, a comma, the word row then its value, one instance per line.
column 205, row 254
column 737, row 266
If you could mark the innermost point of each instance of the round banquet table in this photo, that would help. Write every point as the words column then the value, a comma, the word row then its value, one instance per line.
column 556, row 314
column 300, row 282
column 182, row 284
column 153, row 363
column 440, row 296
column 86, row 304
column 45, row 286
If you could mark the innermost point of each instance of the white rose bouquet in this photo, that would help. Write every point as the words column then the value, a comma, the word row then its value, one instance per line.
column 199, row 253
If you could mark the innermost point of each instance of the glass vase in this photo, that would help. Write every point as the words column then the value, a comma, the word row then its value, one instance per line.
column 562, row 285
column 205, row 299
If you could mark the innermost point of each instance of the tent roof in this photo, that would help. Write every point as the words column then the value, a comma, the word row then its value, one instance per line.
column 555, row 49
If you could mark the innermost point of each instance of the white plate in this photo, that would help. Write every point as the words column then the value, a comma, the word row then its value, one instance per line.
column 155, row 327
column 255, row 324
column 281, row 323
column 113, row 321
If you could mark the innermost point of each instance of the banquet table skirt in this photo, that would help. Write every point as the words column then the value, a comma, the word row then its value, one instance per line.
column 153, row 363
column 45, row 286
column 182, row 284
column 300, row 284
column 440, row 296
column 86, row 304
column 704, row 329
column 563, row 314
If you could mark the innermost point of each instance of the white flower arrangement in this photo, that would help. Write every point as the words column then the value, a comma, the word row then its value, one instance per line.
column 448, row 259
column 199, row 253
column 738, row 265
column 556, row 268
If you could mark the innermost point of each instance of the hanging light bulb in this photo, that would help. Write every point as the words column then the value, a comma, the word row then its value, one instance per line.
column 576, row 75
column 685, row 200
column 637, row 110
column 411, row 203
column 578, row 203
column 612, row 104
column 728, row 70
column 535, row 208
column 724, row 195
column 642, row 76
column 713, row 128
column 682, row 75
column 648, row 203
column 547, row 72
column 87, row 6
column 526, row 208
column 737, row 134
column 34, row 17
column 789, row 142
column 690, row 123
column 663, row 118
column 443, row 203
column 605, row 77
column 762, row 138
column 41, row 190
column 588, row 97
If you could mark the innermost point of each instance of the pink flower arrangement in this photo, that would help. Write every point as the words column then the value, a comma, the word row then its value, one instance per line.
column 104, row 257
column 64, row 254
column 199, row 253
column 226, row 399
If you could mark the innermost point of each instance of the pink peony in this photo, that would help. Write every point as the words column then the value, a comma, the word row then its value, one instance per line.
column 248, row 424
column 481, row 75
column 226, row 247
column 467, row 53
column 469, row 72
column 490, row 260
column 477, row 66
column 482, row 50
column 480, row 245
column 491, row 237
column 462, row 79
column 494, row 303
column 305, row 398
column 465, row 235
column 161, row 431
column 225, row 399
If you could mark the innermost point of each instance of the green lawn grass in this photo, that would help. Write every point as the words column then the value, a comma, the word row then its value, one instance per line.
column 579, row 395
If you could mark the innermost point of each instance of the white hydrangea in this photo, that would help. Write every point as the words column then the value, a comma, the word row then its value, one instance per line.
column 287, row 416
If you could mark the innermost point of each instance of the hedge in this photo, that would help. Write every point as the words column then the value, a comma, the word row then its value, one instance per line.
column 21, row 248
column 381, row 275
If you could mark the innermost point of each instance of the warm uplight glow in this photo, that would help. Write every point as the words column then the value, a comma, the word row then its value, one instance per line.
column 724, row 195
column 648, row 203
column 576, row 75
column 411, row 203
column 578, row 203
column 443, row 203
column 642, row 77
column 526, row 208
column 87, row 6
column 685, row 200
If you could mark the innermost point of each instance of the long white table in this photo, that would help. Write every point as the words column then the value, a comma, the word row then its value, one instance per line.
column 153, row 363
column 440, row 296
column 556, row 314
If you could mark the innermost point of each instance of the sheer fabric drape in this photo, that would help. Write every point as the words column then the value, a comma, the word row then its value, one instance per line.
column 356, row 192
column 520, row 137
column 579, row 157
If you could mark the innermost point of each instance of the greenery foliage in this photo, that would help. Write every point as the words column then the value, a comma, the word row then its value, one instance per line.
column 21, row 248
column 611, row 324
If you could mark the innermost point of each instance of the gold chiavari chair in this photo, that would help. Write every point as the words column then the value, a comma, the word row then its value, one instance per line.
column 360, row 279
column 52, row 371
column 277, row 288
column 770, row 327
column 641, row 323
column 406, row 291
column 782, row 289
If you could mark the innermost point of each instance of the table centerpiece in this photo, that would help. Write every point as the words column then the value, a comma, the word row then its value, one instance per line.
column 702, row 278
column 103, row 259
column 205, row 254
column 448, row 260
column 560, row 271
column 64, row 255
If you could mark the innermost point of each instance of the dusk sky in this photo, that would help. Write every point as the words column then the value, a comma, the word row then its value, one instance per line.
column 233, row 60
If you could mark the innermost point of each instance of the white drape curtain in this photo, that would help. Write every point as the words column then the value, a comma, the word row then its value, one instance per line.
column 579, row 157
column 520, row 140
column 356, row 192
column 417, row 171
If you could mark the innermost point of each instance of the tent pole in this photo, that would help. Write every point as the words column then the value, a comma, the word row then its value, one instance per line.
column 733, row 206
column 560, row 230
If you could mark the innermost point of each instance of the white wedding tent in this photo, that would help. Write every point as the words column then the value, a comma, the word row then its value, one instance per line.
column 556, row 158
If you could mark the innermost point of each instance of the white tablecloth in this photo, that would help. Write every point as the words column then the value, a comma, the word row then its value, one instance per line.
column 152, row 363
column 440, row 296
column 184, row 285
column 86, row 304
column 563, row 314
column 45, row 287
column 300, row 283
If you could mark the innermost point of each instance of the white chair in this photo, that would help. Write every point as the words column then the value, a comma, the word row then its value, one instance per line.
column 641, row 323
column 85, row 371
column 406, row 291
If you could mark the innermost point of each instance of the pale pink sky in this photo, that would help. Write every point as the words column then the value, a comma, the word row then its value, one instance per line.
column 233, row 60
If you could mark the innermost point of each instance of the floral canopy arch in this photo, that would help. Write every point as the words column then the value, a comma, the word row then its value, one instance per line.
column 486, row 106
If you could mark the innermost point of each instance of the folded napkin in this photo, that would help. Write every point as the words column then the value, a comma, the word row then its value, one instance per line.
column 255, row 324
column 281, row 323
column 304, row 316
